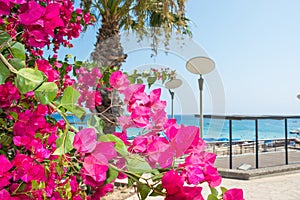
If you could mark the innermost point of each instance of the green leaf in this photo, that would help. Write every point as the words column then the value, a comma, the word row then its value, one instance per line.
column 77, row 111
column 4, row 37
column 119, row 144
column 18, row 50
column 139, row 81
column 69, row 101
column 131, row 180
column 223, row 189
column 46, row 93
column 137, row 164
column 29, row 79
column 157, row 177
column 144, row 190
column 157, row 188
column 14, row 115
column 3, row 123
column 97, row 123
column 34, row 184
column 38, row 135
column 4, row 73
column 164, row 77
column 17, row 63
column 212, row 197
column 151, row 80
column 70, row 97
column 5, row 140
column 64, row 143
column 214, row 191
column 131, row 79
column 111, row 175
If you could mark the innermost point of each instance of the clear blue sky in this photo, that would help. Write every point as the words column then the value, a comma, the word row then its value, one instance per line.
column 255, row 45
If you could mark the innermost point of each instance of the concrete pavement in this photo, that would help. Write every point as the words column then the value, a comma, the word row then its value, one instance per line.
column 281, row 187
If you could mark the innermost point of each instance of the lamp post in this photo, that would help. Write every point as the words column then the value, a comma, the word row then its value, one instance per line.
column 200, row 65
column 173, row 84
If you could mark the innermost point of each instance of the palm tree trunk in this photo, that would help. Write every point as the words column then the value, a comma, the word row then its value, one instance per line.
column 109, row 52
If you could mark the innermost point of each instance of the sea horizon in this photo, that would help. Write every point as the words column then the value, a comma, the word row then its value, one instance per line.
column 218, row 129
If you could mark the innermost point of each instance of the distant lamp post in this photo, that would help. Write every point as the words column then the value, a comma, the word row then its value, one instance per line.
column 200, row 65
column 171, row 85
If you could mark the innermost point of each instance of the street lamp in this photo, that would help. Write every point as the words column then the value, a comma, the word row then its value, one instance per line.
column 173, row 84
column 200, row 65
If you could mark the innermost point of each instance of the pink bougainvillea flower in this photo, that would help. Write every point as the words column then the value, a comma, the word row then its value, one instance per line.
column 233, row 194
column 5, row 6
column 155, row 95
column 26, row 169
column 52, row 18
column 102, row 191
column 9, row 94
column 194, row 174
column 198, row 168
column 37, row 38
column 172, row 182
column 32, row 11
column 197, row 146
column 48, row 70
column 122, row 136
column 183, row 138
column 4, row 194
column 203, row 158
column 161, row 152
column 85, row 140
column 98, row 98
column 139, row 144
column 192, row 193
column 187, row 193
column 4, row 174
column 105, row 149
column 131, row 91
column 212, row 176
column 126, row 122
column 141, row 116
column 94, row 169
column 159, row 118
column 118, row 81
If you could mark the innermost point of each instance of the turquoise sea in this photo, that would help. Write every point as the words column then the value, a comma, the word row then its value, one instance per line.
column 219, row 129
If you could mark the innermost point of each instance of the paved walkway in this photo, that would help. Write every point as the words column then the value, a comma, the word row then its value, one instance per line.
column 282, row 187
column 278, row 187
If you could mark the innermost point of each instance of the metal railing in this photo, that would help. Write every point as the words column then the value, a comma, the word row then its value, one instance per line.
column 256, row 119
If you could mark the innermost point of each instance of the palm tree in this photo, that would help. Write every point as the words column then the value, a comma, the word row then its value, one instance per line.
column 137, row 16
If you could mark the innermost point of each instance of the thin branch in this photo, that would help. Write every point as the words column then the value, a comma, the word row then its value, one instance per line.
column 7, row 64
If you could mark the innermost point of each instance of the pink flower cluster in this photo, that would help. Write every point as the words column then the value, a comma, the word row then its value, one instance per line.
column 174, row 185
column 28, row 125
column 96, row 159
column 44, row 66
column 34, row 141
column 42, row 20
column 87, row 83
column 9, row 95
column 165, row 140
column 147, row 111
column 54, row 73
